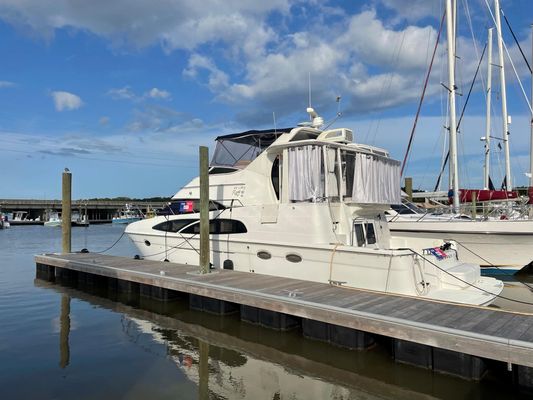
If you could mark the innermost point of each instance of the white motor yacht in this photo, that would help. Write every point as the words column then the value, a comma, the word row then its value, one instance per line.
column 309, row 204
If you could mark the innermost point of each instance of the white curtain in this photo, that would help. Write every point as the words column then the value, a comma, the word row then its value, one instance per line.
column 306, row 179
column 376, row 180
column 331, row 161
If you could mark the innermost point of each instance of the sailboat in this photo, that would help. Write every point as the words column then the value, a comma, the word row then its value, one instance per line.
column 499, row 246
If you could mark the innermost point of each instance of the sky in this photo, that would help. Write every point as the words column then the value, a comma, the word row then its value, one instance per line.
column 123, row 92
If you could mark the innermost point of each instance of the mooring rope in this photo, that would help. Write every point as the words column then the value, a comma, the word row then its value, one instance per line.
column 113, row 245
column 488, row 262
column 463, row 281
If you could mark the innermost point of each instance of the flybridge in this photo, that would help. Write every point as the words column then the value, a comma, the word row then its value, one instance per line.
column 239, row 149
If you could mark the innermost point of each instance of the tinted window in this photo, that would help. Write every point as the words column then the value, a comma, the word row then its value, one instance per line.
column 359, row 234
column 370, row 234
column 221, row 170
column 173, row 225
column 274, row 175
column 218, row 227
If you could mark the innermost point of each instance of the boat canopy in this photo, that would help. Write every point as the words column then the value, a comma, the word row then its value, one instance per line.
column 239, row 149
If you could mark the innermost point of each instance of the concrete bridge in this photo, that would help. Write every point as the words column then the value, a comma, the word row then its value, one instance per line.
column 98, row 211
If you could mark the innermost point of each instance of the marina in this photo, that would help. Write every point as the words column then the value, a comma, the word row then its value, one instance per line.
column 450, row 334
column 244, row 211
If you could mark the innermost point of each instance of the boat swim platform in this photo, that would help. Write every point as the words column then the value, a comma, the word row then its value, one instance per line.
column 444, row 337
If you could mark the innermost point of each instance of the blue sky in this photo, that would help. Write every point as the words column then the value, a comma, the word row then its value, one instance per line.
column 123, row 92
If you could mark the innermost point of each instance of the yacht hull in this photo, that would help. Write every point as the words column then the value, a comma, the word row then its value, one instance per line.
column 392, row 271
column 498, row 246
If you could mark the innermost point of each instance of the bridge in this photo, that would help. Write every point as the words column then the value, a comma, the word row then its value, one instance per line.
column 98, row 211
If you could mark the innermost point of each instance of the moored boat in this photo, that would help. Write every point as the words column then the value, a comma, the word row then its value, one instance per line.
column 309, row 204
column 127, row 215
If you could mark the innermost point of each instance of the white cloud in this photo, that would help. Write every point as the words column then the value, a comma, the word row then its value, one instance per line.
column 217, row 80
column 124, row 93
column 156, row 93
column 6, row 84
column 66, row 101
column 174, row 24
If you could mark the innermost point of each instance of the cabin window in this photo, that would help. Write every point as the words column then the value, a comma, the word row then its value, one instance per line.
column 364, row 234
column 174, row 225
column 359, row 234
column 370, row 233
column 192, row 226
column 218, row 227
column 221, row 170
column 264, row 255
column 274, row 176
column 294, row 258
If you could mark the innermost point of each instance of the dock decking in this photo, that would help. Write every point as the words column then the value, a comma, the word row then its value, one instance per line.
column 482, row 332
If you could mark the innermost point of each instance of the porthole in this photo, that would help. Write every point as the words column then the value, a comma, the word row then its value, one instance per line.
column 294, row 258
column 264, row 255
column 146, row 242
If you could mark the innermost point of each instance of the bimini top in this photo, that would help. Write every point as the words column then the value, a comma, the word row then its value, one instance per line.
column 239, row 149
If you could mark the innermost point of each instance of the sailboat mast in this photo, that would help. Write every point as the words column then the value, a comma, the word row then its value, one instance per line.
column 531, row 101
column 505, row 133
column 453, row 125
column 486, row 171
column 531, row 140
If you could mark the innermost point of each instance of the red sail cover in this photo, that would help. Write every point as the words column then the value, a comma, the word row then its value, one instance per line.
column 465, row 195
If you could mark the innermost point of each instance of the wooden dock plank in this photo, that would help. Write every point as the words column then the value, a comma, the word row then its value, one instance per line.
column 482, row 332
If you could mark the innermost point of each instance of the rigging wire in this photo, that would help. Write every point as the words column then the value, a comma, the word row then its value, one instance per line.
column 411, row 136
column 510, row 59
column 516, row 41
column 462, row 114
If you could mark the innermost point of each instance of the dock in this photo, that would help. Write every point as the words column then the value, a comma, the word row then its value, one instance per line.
column 443, row 337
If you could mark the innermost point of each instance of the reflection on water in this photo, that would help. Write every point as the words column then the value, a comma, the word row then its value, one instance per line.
column 64, row 333
column 125, row 346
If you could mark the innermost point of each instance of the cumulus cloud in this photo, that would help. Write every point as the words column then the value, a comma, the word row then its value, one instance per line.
column 174, row 24
column 66, row 101
column 258, row 55
column 216, row 79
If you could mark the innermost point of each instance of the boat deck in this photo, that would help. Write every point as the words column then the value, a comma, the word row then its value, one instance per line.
column 479, row 331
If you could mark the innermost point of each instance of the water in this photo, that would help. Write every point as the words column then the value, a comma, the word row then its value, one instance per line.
column 60, row 342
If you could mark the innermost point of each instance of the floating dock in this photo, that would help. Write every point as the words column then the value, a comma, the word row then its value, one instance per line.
column 460, row 340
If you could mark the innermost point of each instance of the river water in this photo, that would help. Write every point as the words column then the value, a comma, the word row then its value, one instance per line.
column 61, row 342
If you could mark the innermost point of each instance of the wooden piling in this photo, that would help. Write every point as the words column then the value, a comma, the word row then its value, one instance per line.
column 204, row 210
column 409, row 188
column 66, row 204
